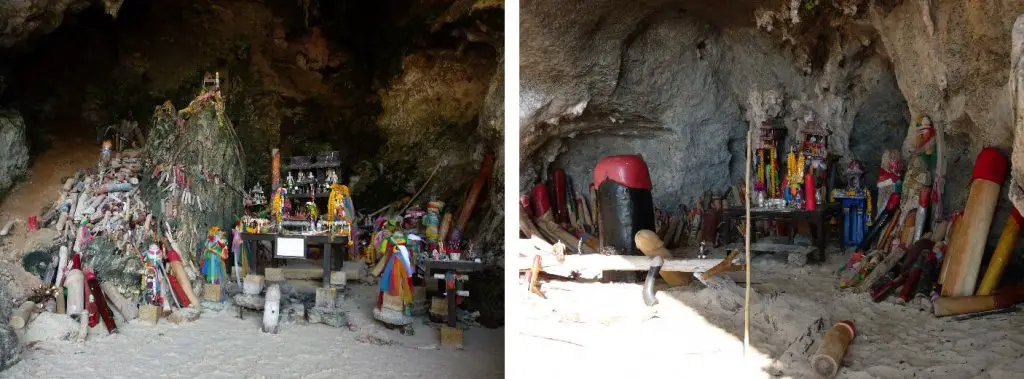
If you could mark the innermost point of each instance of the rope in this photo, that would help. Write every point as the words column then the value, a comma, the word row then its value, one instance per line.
column 746, row 242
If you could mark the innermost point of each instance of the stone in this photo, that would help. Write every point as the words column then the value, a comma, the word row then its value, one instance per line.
column 41, row 240
column 331, row 317
column 51, row 327
column 212, row 306
column 183, row 315
column 247, row 301
column 338, row 278
column 294, row 313
column 253, row 284
column 13, row 146
column 273, row 275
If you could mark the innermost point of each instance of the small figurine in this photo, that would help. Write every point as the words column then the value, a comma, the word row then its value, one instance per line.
column 151, row 260
column 290, row 181
column 214, row 255
column 432, row 221
column 106, row 152
column 394, row 304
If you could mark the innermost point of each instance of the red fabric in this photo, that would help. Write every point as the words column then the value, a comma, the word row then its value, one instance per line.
column 172, row 256
column 894, row 201
column 923, row 201
column 541, row 202
column 884, row 175
column 76, row 261
column 811, row 202
column 991, row 165
column 628, row 170
column 850, row 324
column 178, row 291
column 524, row 202
column 90, row 302
column 1016, row 216
column 558, row 180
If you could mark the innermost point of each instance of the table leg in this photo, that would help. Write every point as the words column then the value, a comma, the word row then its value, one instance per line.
column 822, row 236
column 451, row 306
column 327, row 265
column 727, row 234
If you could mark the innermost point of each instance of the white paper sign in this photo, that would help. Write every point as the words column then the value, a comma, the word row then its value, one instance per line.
column 291, row 247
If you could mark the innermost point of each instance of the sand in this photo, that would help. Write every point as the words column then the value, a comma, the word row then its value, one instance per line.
column 219, row 345
column 607, row 331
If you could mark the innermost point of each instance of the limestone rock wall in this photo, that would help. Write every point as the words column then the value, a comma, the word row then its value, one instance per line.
column 13, row 149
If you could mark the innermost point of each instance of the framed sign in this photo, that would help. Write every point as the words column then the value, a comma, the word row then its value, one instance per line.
column 290, row 248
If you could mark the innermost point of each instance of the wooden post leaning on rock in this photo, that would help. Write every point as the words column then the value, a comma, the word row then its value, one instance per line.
column 471, row 199
column 1001, row 256
column 957, row 305
column 75, row 283
column 829, row 357
column 967, row 245
column 21, row 316
column 128, row 309
column 178, row 270
column 648, row 243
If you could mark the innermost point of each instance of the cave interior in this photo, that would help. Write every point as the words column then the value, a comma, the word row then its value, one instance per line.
column 406, row 91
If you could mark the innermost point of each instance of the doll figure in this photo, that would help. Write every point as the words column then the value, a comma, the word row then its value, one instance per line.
column 151, row 260
column 432, row 221
column 394, row 302
column 214, row 255
column 106, row 152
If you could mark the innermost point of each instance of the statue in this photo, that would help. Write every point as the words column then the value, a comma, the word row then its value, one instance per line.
column 394, row 304
column 214, row 255
column 151, row 260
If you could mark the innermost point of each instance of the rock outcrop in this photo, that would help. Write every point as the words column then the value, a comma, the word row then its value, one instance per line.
column 13, row 149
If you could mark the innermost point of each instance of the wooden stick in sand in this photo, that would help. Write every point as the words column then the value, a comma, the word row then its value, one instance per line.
column 1001, row 256
column 648, row 243
column 949, row 306
column 829, row 357
column 967, row 244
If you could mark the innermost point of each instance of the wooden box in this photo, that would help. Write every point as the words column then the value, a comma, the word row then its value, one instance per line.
column 439, row 307
column 325, row 297
column 451, row 337
column 149, row 314
column 211, row 292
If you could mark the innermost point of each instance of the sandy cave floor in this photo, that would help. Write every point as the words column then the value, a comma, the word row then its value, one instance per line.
column 605, row 330
column 219, row 345
column 41, row 187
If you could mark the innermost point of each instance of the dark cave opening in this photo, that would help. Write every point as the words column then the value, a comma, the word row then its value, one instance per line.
column 306, row 80
column 399, row 88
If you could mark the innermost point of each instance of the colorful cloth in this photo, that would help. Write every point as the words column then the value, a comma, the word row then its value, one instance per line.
column 396, row 279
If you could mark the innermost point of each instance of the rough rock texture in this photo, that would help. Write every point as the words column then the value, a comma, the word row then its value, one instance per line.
column 680, row 90
column 13, row 148
column 680, row 81
column 10, row 348
column 51, row 327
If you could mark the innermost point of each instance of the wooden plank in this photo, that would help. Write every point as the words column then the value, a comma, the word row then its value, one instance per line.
column 773, row 247
column 619, row 263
